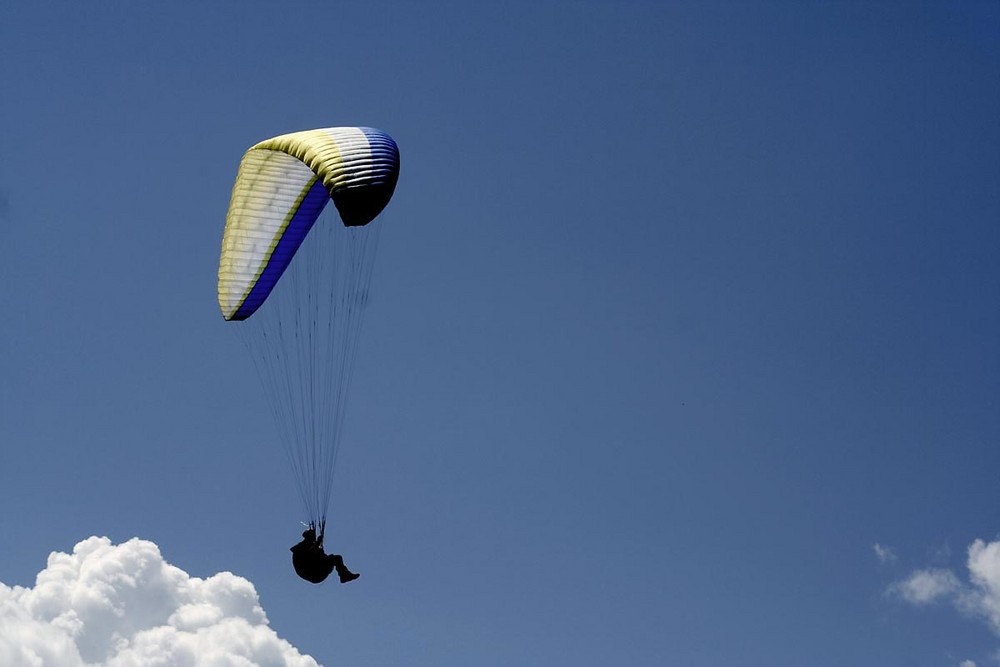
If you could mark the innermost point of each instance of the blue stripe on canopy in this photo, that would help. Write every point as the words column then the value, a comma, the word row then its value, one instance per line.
column 300, row 224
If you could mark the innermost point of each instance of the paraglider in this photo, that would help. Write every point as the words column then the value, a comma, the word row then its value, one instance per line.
column 296, row 279
column 313, row 564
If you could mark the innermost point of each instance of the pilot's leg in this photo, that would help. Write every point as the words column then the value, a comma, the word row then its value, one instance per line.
column 342, row 571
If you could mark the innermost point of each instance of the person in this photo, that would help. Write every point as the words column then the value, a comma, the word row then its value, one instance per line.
column 313, row 564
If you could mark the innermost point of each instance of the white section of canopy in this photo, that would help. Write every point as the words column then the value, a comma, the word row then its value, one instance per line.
column 269, row 187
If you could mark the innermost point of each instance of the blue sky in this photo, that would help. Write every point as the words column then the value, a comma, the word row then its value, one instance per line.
column 680, row 309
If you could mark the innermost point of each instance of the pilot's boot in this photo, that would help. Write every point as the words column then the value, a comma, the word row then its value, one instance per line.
column 346, row 575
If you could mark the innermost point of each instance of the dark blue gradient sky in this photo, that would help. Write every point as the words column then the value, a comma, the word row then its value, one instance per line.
column 680, row 309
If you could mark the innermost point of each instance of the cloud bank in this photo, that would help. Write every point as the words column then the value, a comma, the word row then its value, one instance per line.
column 124, row 606
column 979, row 597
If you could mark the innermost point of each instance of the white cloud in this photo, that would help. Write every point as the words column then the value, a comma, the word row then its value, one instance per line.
column 926, row 586
column 884, row 554
column 124, row 606
column 979, row 598
column 967, row 663
column 983, row 596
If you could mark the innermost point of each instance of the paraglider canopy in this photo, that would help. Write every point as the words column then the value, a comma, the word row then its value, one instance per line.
column 281, row 188
column 295, row 273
